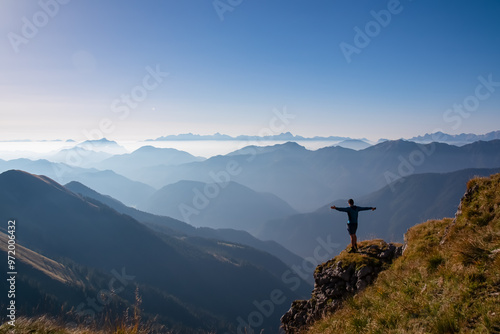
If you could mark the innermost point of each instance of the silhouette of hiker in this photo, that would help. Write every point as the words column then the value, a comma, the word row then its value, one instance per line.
column 352, row 223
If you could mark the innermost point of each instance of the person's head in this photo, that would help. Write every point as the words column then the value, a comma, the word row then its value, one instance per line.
column 350, row 202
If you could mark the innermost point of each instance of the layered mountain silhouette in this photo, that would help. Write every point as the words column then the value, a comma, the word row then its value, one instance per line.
column 209, row 284
column 146, row 156
column 177, row 228
column 303, row 178
column 216, row 205
column 78, row 156
column 399, row 206
column 102, row 145
column 306, row 179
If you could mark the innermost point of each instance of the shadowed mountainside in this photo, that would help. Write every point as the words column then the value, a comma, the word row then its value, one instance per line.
column 201, row 280
column 176, row 228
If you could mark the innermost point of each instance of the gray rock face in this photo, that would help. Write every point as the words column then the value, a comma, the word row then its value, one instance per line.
column 336, row 279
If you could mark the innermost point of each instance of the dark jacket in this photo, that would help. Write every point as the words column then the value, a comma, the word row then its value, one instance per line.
column 352, row 212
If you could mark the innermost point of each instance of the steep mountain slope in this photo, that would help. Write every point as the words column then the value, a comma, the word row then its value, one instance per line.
column 305, row 179
column 175, row 227
column 57, row 223
column 399, row 206
column 44, row 286
column 447, row 281
column 50, row 268
column 216, row 205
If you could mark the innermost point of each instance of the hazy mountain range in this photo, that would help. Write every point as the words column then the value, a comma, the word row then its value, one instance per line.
column 286, row 136
column 461, row 139
column 438, row 136
column 303, row 178
column 177, row 228
column 306, row 179
column 216, row 205
column 131, row 163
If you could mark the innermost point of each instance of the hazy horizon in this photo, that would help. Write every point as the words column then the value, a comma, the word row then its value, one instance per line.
column 201, row 148
column 205, row 148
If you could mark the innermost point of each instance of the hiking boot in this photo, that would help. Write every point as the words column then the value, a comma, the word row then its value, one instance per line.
column 352, row 250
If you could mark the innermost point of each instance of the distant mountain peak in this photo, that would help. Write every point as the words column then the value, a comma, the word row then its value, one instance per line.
column 102, row 141
column 291, row 144
column 150, row 148
column 147, row 148
column 355, row 144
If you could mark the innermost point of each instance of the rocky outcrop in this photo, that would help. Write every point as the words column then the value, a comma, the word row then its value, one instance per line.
column 340, row 277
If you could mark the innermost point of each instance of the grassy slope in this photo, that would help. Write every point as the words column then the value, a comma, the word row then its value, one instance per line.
column 49, row 267
column 436, row 287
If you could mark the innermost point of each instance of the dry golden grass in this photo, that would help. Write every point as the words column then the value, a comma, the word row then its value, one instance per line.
column 128, row 324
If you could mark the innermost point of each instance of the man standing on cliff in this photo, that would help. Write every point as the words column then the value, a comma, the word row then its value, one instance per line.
column 352, row 223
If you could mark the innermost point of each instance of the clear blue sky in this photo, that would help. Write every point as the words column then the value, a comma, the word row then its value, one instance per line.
column 228, row 70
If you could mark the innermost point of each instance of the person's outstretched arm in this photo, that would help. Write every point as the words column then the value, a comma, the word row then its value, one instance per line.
column 366, row 208
column 338, row 209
